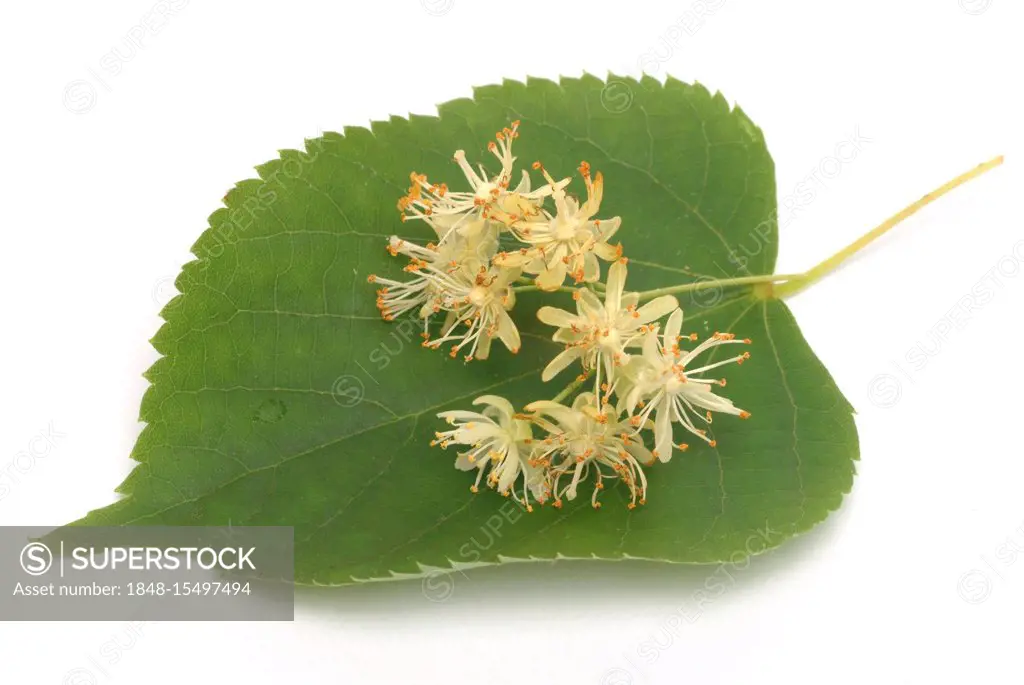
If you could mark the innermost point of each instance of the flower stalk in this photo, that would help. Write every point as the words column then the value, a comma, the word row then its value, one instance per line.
column 819, row 271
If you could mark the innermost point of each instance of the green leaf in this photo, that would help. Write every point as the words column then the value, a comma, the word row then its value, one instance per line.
column 283, row 399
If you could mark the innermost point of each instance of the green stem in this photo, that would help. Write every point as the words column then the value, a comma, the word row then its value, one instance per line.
column 790, row 284
column 826, row 267
column 715, row 283
column 568, row 390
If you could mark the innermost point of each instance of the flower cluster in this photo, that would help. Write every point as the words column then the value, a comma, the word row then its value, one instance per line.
column 645, row 376
column 580, row 442
column 462, row 273
column 645, row 383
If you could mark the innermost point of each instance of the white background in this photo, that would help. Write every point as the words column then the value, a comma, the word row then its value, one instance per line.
column 107, row 179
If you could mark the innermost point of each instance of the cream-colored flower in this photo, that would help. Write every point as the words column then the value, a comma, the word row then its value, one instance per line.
column 589, row 441
column 477, row 305
column 489, row 197
column 598, row 334
column 568, row 242
column 500, row 441
column 434, row 268
column 664, row 379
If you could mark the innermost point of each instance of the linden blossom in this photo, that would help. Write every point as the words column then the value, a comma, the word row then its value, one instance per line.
column 659, row 382
column 568, row 242
column 465, row 276
column 165, row 559
column 599, row 335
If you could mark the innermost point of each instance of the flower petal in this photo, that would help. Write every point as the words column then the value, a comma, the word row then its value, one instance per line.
column 608, row 253
column 702, row 396
column 652, row 355
column 463, row 463
column 556, row 317
column 563, row 415
column 483, row 348
column 672, row 328
column 462, row 415
column 591, row 267
column 514, row 259
column 588, row 303
column 567, row 335
column 498, row 402
column 663, row 431
column 657, row 308
column 562, row 360
column 507, row 331
column 552, row 277
column 640, row 453
column 583, row 400
column 509, row 469
column 508, row 300
column 524, row 183
column 606, row 228
column 614, row 286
